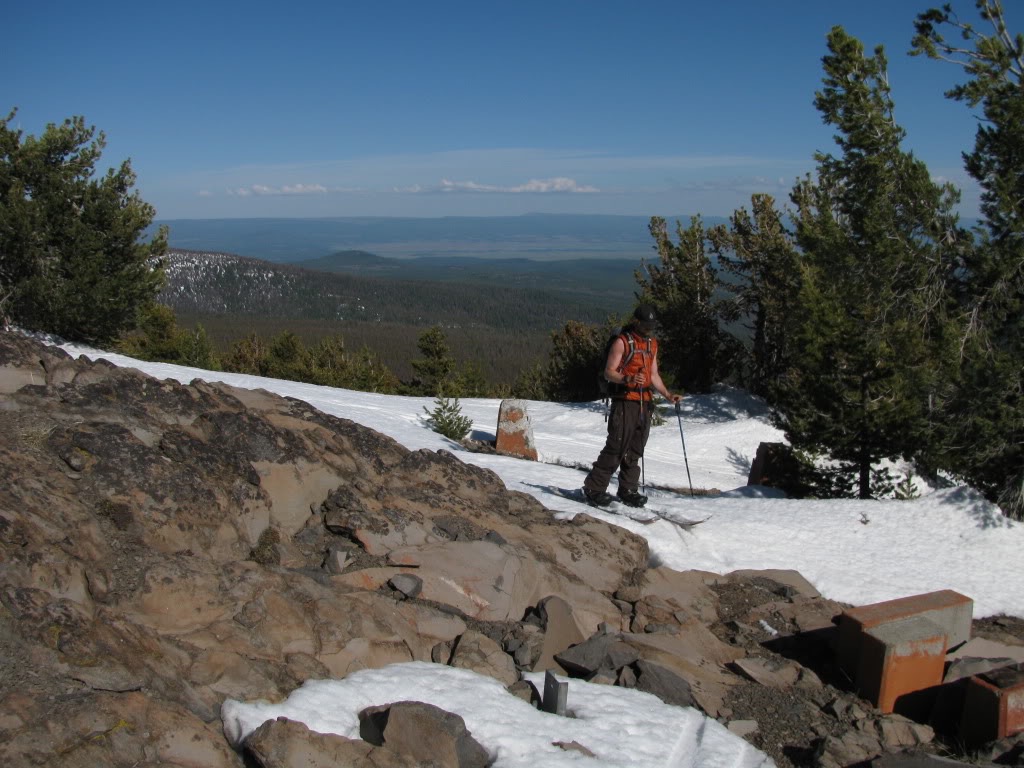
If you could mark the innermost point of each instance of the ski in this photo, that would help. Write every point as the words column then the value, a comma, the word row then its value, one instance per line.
column 645, row 514
column 677, row 519
column 639, row 514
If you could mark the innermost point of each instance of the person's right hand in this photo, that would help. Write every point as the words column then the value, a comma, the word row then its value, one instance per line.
column 637, row 380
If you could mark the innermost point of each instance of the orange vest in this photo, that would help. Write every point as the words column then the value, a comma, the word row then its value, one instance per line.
column 642, row 358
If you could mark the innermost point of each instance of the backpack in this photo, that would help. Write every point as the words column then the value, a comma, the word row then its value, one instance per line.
column 608, row 389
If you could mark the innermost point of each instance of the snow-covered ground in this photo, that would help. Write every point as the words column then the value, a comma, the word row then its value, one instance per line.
column 852, row 551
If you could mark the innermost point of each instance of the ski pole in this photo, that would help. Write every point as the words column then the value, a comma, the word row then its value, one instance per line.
column 686, row 460
column 643, row 468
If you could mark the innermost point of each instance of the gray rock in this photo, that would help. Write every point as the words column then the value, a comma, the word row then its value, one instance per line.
column 968, row 666
column 574, row 746
column 846, row 708
column 897, row 732
column 628, row 594
column 478, row 653
column 408, row 585
column 742, row 728
column 597, row 653
column 604, row 677
column 851, row 748
column 626, row 678
column 560, row 632
column 336, row 560
column 773, row 672
column 424, row 733
column 442, row 652
column 663, row 683
column 283, row 743
column 525, row 643
column 526, row 691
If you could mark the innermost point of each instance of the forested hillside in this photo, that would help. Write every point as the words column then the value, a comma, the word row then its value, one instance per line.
column 607, row 281
column 504, row 329
column 217, row 283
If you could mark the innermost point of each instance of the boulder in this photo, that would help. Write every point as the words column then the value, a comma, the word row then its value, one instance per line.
column 283, row 743
column 561, row 631
column 601, row 652
column 478, row 653
column 775, row 466
column 425, row 733
column 663, row 683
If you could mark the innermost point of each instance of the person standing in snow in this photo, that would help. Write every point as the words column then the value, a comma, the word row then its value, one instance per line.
column 632, row 372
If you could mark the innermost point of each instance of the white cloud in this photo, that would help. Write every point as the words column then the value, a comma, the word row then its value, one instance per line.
column 287, row 189
column 304, row 189
column 558, row 184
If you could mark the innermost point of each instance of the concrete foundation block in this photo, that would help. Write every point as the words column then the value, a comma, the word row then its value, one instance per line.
column 993, row 705
column 900, row 657
column 946, row 608
column 515, row 433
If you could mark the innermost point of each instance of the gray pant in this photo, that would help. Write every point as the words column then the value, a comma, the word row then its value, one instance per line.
column 629, row 425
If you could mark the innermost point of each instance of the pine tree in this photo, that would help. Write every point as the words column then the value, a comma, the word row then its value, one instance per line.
column 196, row 349
column 447, row 418
column 73, row 263
column 759, row 252
column 248, row 355
column 868, row 331
column 159, row 338
column 287, row 358
column 435, row 371
column 984, row 417
column 156, row 336
column 693, row 350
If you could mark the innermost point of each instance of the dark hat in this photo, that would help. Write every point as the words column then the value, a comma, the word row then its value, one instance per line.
column 646, row 320
column 645, row 314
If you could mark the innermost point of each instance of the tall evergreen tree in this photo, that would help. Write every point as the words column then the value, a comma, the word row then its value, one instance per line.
column 695, row 352
column 877, row 239
column 760, row 254
column 435, row 371
column 287, row 358
column 71, row 257
column 985, row 424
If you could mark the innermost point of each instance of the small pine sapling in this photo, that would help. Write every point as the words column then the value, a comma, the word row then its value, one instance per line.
column 447, row 418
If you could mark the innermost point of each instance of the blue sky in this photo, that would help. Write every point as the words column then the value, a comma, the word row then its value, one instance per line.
column 246, row 109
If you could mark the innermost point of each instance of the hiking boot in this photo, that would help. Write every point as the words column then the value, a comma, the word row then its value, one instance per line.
column 598, row 498
column 631, row 498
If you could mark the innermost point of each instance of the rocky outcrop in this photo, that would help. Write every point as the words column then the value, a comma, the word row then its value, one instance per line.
column 165, row 547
